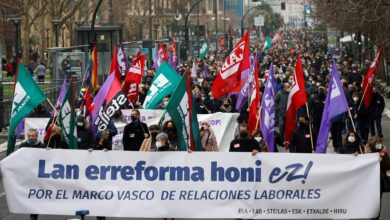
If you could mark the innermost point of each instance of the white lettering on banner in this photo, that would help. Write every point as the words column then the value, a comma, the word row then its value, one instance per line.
column 221, row 185
column 105, row 114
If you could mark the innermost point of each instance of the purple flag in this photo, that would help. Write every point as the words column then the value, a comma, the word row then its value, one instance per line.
column 205, row 72
column 99, row 100
column 62, row 94
column 335, row 104
column 267, row 123
column 246, row 76
column 122, row 59
column 170, row 60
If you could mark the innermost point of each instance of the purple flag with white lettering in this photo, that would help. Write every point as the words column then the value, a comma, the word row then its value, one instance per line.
column 335, row 104
column 247, row 76
column 267, row 123
column 100, row 98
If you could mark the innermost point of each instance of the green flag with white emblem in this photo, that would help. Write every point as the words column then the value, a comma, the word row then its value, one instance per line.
column 203, row 50
column 183, row 114
column 164, row 83
column 67, row 118
column 27, row 96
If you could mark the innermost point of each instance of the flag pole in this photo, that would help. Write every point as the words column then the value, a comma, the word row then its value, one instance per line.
column 364, row 94
column 311, row 133
column 51, row 104
column 350, row 116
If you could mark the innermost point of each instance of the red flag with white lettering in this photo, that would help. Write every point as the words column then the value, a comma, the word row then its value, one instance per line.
column 296, row 98
column 134, row 77
column 254, row 116
column 369, row 79
column 230, row 75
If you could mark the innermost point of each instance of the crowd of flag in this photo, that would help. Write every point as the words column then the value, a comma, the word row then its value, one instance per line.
column 239, row 76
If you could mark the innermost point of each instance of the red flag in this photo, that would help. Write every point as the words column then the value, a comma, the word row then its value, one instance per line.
column 134, row 77
column 369, row 79
column 254, row 116
column 114, row 67
column 296, row 98
column 88, row 101
column 230, row 75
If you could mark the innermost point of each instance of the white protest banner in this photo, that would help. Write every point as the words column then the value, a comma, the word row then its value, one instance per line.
column 36, row 123
column 192, row 185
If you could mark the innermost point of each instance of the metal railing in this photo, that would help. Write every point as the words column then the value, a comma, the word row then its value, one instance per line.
column 51, row 91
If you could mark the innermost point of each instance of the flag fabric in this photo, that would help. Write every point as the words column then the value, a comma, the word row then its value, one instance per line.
column 160, row 57
column 276, row 38
column 296, row 98
column 203, row 50
column 369, row 79
column 108, row 101
column 134, row 77
column 246, row 82
column 254, row 103
column 164, row 83
column 267, row 124
column 194, row 74
column 335, row 104
column 230, row 75
column 92, row 70
column 205, row 72
column 267, row 44
column 172, row 59
column 114, row 67
column 61, row 95
column 27, row 96
column 183, row 113
column 88, row 101
column 122, row 59
column 67, row 118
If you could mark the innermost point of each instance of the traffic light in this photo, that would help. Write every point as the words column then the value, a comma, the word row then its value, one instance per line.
column 283, row 6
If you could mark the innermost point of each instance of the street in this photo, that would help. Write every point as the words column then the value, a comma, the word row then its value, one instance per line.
column 6, row 215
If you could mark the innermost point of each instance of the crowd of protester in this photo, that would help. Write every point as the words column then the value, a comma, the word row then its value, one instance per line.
column 317, row 64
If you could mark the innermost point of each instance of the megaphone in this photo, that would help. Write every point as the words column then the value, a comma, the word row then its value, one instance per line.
column 177, row 17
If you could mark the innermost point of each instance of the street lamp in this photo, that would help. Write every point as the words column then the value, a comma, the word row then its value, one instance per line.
column 16, row 22
column 47, row 37
column 243, row 17
column 156, row 27
column 55, row 24
column 140, row 24
column 63, row 36
column 186, row 36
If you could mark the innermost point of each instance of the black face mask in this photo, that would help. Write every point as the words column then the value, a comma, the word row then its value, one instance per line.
column 243, row 134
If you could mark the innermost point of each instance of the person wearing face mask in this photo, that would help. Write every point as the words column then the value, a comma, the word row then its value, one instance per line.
column 162, row 143
column 375, row 145
column 301, row 138
column 200, row 106
column 170, row 129
column 208, row 139
column 376, row 108
column 361, row 116
column 226, row 107
column 212, row 104
column 281, row 99
column 56, row 139
column 244, row 142
column 351, row 144
column 134, row 133
column 149, row 144
column 85, row 138
column 32, row 140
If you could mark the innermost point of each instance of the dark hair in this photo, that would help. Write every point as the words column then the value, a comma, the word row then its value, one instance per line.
column 136, row 110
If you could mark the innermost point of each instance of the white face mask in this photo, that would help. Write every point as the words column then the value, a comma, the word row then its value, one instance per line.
column 165, row 103
column 355, row 99
column 351, row 139
column 378, row 146
column 158, row 144
column 258, row 139
column 80, row 123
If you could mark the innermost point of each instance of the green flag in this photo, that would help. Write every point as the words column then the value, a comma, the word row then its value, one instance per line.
column 27, row 96
column 184, row 116
column 203, row 50
column 164, row 83
column 67, row 118
column 267, row 44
